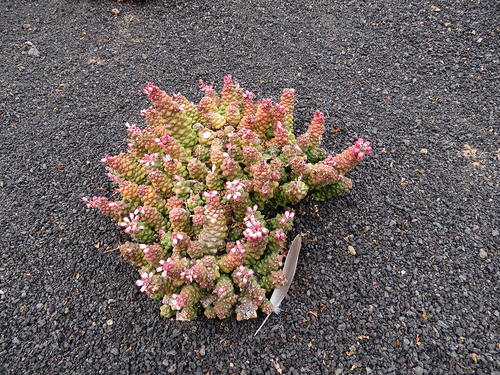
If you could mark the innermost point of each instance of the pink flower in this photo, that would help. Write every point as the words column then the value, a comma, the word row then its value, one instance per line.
column 205, row 87
column 188, row 275
column 329, row 161
column 279, row 235
column 149, row 87
column 233, row 190
column 177, row 302
column 243, row 274
column 255, row 229
column 221, row 291
column 267, row 103
column 166, row 265
column 163, row 268
column 149, row 160
column 131, row 223
column 248, row 95
column 144, row 281
column 239, row 248
column 179, row 107
column 115, row 178
column 279, row 107
column 250, row 210
column 210, row 194
column 164, row 141
column 176, row 237
column 287, row 216
column 361, row 149
column 92, row 203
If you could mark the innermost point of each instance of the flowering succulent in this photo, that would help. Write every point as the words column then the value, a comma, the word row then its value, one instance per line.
column 196, row 183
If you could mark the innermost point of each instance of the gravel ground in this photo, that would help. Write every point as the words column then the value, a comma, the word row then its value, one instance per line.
column 419, row 80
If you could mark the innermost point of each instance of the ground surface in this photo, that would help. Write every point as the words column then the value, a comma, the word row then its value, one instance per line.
column 419, row 80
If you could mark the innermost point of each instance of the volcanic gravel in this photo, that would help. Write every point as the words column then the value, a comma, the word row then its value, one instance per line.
column 418, row 79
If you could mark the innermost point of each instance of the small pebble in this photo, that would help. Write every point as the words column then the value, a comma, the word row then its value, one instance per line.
column 443, row 324
column 115, row 11
column 423, row 151
column 351, row 250
column 109, row 322
column 483, row 254
column 33, row 52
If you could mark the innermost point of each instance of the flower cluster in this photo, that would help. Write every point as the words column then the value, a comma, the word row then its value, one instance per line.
column 195, row 185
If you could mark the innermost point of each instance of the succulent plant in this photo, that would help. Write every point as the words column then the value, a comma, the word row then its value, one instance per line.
column 196, row 185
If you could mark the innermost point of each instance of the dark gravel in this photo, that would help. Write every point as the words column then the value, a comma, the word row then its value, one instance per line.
column 420, row 80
